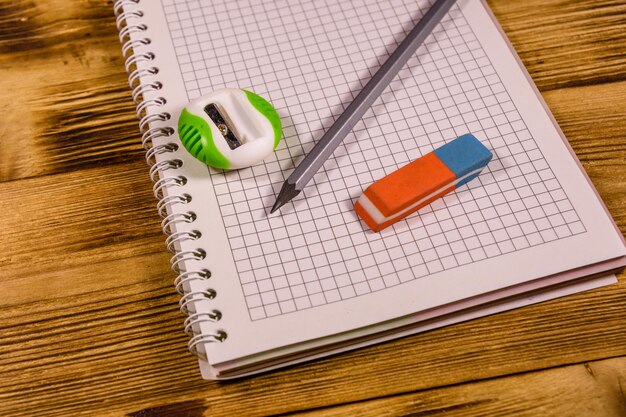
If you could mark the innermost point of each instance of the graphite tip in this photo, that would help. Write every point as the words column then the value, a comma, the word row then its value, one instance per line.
column 286, row 194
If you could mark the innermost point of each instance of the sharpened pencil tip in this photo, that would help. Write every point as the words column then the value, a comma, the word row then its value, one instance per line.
column 287, row 192
column 276, row 206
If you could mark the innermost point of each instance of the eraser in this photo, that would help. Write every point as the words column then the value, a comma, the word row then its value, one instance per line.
column 229, row 128
column 422, row 181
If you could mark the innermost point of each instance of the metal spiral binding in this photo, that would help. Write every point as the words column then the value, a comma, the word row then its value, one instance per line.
column 173, row 239
column 212, row 316
column 186, row 255
column 217, row 337
column 188, row 300
column 174, row 218
column 166, row 202
column 157, row 132
column 140, row 91
column 163, row 183
column 141, row 80
column 133, row 77
column 146, row 120
column 142, row 107
column 187, row 276
column 158, row 150
column 131, row 62
column 129, row 47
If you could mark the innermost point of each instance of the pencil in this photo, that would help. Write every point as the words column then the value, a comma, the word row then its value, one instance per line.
column 363, row 101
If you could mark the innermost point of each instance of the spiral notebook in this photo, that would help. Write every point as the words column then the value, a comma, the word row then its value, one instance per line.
column 262, row 291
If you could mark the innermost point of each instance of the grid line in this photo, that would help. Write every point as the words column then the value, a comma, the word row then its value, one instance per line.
column 310, row 61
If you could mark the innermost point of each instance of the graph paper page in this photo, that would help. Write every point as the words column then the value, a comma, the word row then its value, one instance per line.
column 314, row 269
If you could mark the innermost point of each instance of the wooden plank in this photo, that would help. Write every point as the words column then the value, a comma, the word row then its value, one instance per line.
column 124, row 347
column 70, row 105
column 590, row 389
column 36, row 28
column 79, row 218
column 567, row 43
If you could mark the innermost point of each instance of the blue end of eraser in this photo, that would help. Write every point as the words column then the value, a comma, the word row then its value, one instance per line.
column 463, row 155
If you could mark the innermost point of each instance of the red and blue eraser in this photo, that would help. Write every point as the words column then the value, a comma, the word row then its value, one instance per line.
column 417, row 184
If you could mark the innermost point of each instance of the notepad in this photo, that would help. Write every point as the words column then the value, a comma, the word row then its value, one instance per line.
column 262, row 291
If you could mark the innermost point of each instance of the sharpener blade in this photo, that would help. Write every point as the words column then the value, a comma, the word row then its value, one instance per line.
column 224, row 125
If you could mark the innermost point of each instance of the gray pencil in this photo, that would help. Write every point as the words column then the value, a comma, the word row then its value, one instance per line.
column 363, row 101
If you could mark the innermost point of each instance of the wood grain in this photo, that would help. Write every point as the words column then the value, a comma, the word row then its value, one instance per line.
column 555, row 392
column 88, row 318
column 567, row 43
column 123, row 343
column 70, row 107
column 89, row 216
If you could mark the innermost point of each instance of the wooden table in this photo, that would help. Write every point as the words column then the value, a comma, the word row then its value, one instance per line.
column 89, row 319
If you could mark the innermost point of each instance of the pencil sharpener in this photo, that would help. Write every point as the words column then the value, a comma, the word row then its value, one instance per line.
column 229, row 128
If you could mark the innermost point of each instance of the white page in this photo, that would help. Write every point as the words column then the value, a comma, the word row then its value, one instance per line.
column 314, row 269
column 509, row 303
